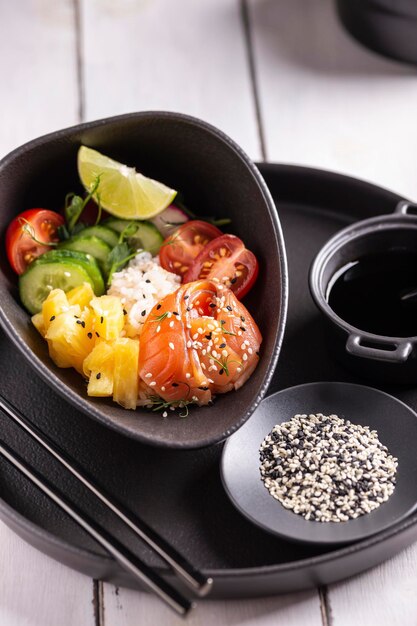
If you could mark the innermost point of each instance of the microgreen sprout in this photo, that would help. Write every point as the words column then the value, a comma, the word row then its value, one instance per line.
column 28, row 229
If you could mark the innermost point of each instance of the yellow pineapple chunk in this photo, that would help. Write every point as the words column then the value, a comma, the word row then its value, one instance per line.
column 55, row 304
column 71, row 337
column 98, row 367
column 109, row 318
column 82, row 295
column 126, row 372
column 37, row 321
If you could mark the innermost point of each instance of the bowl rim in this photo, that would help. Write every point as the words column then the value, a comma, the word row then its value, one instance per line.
column 74, row 398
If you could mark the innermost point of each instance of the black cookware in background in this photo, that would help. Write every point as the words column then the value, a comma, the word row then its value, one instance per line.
column 386, row 26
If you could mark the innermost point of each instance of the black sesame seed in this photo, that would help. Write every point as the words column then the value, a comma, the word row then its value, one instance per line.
column 222, row 345
column 158, row 307
column 97, row 334
column 124, row 312
column 188, row 308
column 175, row 313
column 101, row 319
column 212, row 305
column 203, row 388
column 147, row 280
column 242, row 329
column 233, row 280
column 90, row 335
column 242, row 318
column 229, row 308
column 51, row 319
column 143, row 313
column 98, row 376
column 221, row 371
column 186, row 297
column 175, row 384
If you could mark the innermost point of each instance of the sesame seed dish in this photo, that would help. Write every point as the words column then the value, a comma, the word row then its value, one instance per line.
column 327, row 469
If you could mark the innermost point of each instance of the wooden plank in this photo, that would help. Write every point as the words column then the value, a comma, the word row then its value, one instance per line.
column 37, row 591
column 328, row 102
column 385, row 596
column 187, row 56
column 38, row 69
column 125, row 607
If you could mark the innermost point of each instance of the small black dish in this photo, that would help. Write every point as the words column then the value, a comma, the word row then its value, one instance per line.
column 390, row 359
column 395, row 422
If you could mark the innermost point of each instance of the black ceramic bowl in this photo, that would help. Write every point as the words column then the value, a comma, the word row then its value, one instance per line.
column 379, row 357
column 215, row 176
column 386, row 26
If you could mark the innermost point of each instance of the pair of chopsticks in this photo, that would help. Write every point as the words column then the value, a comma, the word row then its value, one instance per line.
column 143, row 573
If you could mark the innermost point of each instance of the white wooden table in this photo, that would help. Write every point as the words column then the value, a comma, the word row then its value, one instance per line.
column 284, row 80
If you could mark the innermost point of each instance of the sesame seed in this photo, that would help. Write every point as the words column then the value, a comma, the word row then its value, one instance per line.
column 245, row 356
column 162, row 388
column 187, row 375
column 98, row 376
column 164, row 414
column 152, row 384
column 148, row 375
column 171, row 345
column 171, row 324
column 158, row 328
column 158, row 306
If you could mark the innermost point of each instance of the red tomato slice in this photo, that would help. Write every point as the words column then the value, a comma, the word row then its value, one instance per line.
column 20, row 246
column 179, row 250
column 227, row 260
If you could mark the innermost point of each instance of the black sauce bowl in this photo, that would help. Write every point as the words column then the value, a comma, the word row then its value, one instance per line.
column 215, row 177
column 379, row 357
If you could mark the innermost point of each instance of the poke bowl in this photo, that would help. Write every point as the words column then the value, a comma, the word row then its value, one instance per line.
column 215, row 177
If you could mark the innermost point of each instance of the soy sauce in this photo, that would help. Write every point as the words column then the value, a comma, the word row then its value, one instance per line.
column 378, row 293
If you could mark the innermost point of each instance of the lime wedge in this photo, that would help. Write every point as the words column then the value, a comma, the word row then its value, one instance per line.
column 122, row 190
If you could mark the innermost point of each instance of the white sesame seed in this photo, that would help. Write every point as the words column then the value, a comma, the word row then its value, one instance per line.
column 187, row 375
column 152, row 384
column 195, row 336
column 245, row 356
column 158, row 328
column 148, row 375
column 171, row 324
column 171, row 345
column 164, row 414
column 162, row 388
column 224, row 353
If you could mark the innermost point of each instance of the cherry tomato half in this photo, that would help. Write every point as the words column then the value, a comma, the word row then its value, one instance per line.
column 179, row 250
column 21, row 248
column 227, row 260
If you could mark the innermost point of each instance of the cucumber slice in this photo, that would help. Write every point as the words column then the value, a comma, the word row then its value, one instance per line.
column 147, row 236
column 108, row 235
column 89, row 245
column 86, row 261
column 40, row 278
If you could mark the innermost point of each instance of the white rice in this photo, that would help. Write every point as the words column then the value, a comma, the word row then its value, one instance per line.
column 136, row 294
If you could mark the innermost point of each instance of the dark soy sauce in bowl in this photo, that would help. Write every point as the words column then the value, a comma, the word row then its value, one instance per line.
column 377, row 293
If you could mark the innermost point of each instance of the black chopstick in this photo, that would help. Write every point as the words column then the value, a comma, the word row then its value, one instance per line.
column 187, row 572
column 133, row 564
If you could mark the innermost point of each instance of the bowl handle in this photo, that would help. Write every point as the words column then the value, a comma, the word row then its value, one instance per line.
column 406, row 208
column 394, row 352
